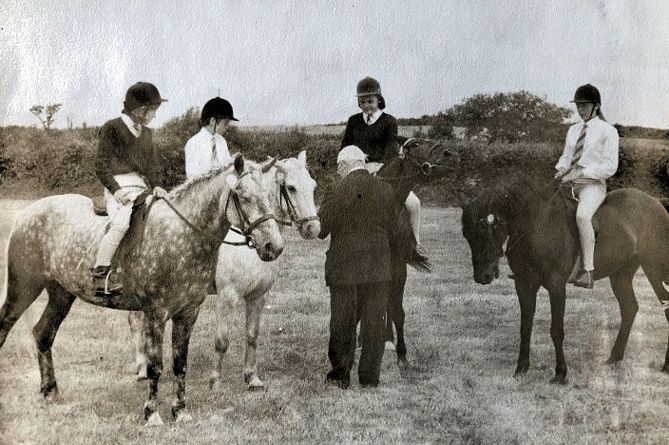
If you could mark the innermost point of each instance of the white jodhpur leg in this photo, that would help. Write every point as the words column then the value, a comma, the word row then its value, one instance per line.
column 413, row 206
column 590, row 197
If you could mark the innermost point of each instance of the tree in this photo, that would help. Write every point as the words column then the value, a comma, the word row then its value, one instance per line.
column 49, row 114
column 513, row 117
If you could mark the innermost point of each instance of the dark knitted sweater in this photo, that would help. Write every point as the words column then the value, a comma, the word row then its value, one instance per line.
column 120, row 152
column 376, row 140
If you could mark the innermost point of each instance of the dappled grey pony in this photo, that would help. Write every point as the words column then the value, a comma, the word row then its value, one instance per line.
column 538, row 224
column 53, row 247
column 241, row 275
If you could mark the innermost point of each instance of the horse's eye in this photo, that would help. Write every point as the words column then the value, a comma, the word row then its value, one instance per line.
column 291, row 189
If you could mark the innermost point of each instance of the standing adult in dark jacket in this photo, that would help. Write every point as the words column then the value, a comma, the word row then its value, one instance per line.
column 359, row 213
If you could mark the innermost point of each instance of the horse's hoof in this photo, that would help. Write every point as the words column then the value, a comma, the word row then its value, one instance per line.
column 214, row 383
column 255, row 384
column 184, row 417
column 51, row 395
column 612, row 361
column 154, row 420
column 559, row 380
column 521, row 370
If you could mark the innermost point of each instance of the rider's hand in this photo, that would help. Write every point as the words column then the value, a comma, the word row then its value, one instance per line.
column 159, row 192
column 121, row 196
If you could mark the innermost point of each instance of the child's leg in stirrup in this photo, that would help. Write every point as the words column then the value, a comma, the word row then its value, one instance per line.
column 413, row 206
column 590, row 198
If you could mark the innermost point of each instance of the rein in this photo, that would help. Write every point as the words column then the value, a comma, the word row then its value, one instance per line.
column 246, row 231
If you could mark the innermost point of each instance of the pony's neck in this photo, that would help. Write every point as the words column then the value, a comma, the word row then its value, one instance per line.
column 201, row 201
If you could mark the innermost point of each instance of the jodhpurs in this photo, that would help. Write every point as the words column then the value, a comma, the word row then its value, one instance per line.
column 590, row 194
column 119, row 216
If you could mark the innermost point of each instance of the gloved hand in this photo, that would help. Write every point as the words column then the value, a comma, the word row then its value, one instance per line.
column 159, row 192
column 121, row 196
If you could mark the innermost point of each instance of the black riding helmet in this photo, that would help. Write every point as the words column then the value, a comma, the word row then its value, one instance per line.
column 587, row 94
column 141, row 94
column 218, row 109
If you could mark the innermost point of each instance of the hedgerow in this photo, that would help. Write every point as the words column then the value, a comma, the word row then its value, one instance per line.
column 41, row 163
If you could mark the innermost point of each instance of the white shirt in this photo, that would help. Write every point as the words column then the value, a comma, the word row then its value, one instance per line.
column 374, row 117
column 198, row 152
column 600, row 149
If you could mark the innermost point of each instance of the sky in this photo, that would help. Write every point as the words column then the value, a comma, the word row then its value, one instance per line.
column 297, row 63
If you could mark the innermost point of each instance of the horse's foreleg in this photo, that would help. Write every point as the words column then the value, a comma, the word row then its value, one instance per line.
column 557, row 296
column 136, row 322
column 182, row 328
column 621, row 283
column 254, row 309
column 154, row 330
column 527, row 298
column 57, row 308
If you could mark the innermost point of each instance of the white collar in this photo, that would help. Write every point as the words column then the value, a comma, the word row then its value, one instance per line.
column 127, row 120
column 375, row 116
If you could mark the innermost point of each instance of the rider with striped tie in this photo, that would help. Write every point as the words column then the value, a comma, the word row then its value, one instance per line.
column 590, row 157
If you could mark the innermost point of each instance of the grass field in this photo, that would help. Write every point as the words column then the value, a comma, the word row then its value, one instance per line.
column 464, row 336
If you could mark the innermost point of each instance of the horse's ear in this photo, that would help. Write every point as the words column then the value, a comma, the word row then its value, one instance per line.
column 400, row 139
column 302, row 157
column 268, row 164
column 239, row 164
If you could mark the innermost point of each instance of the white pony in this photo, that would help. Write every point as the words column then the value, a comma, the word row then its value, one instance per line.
column 241, row 275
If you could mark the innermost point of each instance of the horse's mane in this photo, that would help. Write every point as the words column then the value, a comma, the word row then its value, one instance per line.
column 517, row 195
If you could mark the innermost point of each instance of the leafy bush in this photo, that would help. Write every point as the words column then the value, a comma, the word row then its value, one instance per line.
column 62, row 161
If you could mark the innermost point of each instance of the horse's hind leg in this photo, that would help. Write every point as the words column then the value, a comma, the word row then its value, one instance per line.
column 57, row 308
column 657, row 279
column 397, row 316
column 621, row 283
column 136, row 321
column 21, row 293
column 254, row 307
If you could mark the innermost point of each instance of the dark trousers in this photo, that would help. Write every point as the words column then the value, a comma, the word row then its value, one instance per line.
column 350, row 304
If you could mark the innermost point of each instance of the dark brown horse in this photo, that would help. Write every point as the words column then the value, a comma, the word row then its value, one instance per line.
column 419, row 161
column 539, row 223
column 53, row 245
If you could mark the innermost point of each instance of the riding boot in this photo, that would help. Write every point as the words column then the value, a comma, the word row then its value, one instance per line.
column 103, row 288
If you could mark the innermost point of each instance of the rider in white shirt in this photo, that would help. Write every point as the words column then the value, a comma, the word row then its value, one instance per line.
column 585, row 165
column 208, row 148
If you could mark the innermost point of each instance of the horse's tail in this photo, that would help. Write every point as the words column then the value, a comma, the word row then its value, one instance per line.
column 420, row 264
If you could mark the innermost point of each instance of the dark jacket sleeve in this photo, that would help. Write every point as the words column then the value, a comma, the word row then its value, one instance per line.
column 391, row 148
column 348, row 134
column 154, row 175
column 107, row 150
column 326, row 213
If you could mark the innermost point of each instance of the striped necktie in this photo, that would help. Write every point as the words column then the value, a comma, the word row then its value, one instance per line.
column 578, row 150
column 214, row 158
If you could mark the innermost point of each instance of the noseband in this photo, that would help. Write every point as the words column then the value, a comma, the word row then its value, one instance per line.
column 292, row 212
column 247, row 226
